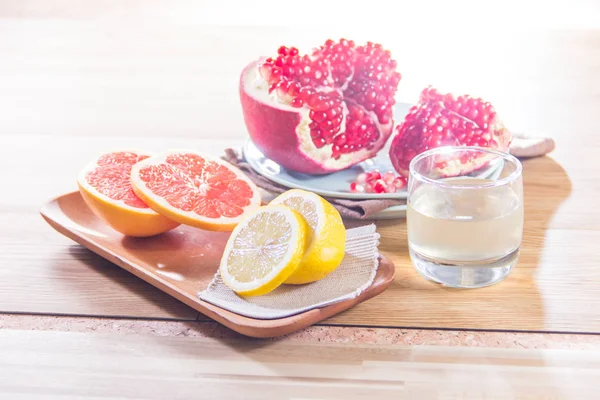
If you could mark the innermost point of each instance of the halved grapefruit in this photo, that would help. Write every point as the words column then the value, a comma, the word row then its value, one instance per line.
column 105, row 187
column 195, row 189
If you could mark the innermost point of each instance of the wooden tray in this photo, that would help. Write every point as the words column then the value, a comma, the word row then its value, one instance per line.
column 182, row 263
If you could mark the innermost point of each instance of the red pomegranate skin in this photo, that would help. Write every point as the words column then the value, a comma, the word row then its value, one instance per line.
column 262, row 118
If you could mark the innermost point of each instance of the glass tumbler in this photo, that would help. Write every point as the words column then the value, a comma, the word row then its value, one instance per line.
column 465, row 215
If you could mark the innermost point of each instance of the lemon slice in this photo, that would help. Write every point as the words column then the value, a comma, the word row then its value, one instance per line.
column 264, row 250
column 327, row 236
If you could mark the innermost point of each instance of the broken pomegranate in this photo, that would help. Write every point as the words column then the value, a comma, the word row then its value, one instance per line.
column 444, row 120
column 322, row 112
column 375, row 182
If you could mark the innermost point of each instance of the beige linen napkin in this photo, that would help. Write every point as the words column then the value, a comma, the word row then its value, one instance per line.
column 352, row 277
column 528, row 146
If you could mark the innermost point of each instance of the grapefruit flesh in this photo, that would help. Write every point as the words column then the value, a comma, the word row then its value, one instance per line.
column 106, row 188
column 195, row 189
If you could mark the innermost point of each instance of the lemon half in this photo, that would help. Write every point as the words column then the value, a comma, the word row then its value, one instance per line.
column 264, row 250
column 327, row 235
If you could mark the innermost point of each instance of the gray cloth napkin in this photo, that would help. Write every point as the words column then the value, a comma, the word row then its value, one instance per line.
column 522, row 146
column 351, row 209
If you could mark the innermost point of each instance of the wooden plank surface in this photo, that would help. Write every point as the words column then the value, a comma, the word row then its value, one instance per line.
column 59, row 365
column 72, row 85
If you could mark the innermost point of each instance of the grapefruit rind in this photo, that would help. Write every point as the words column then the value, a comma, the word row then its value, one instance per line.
column 191, row 218
column 126, row 219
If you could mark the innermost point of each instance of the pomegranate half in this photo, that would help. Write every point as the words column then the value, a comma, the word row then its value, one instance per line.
column 441, row 119
column 322, row 112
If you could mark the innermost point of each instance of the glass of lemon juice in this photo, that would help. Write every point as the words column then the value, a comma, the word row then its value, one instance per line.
column 465, row 215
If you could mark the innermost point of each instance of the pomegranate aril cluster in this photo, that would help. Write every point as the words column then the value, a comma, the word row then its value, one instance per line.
column 326, row 115
column 289, row 65
column 363, row 75
column 444, row 120
column 360, row 133
column 340, row 56
column 375, row 81
column 477, row 110
column 375, row 182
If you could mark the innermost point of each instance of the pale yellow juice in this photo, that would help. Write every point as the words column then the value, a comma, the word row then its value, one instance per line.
column 463, row 226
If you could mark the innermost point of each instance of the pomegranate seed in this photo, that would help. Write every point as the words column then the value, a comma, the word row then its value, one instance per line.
column 373, row 176
column 390, row 188
column 275, row 73
column 335, row 152
column 331, row 113
column 473, row 114
column 297, row 102
column 288, row 71
column 337, row 121
column 400, row 182
column 294, row 89
column 305, row 93
column 319, row 142
column 388, row 177
column 317, row 116
column 361, row 178
column 340, row 140
column 379, row 186
column 327, row 135
column 326, row 124
column 355, row 187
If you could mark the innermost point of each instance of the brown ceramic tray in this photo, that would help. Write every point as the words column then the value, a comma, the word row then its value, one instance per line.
column 182, row 263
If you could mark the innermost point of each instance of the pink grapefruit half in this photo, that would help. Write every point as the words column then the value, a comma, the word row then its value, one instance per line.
column 105, row 187
column 195, row 189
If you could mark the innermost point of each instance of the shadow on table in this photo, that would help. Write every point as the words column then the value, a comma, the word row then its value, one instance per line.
column 513, row 304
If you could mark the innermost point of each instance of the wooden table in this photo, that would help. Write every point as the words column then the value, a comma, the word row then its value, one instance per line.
column 81, row 79
column 126, row 366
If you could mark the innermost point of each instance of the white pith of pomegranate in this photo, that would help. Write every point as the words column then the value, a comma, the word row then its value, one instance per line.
column 322, row 112
column 444, row 120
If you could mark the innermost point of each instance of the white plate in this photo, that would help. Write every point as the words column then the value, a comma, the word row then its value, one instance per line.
column 393, row 212
column 336, row 184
